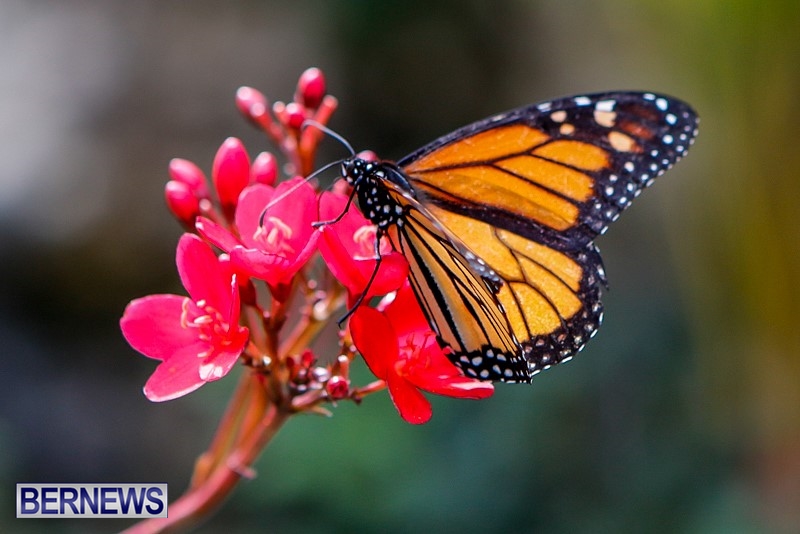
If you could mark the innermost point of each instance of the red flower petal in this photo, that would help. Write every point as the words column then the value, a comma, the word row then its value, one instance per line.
column 298, row 208
column 414, row 408
column 375, row 339
column 222, row 362
column 216, row 234
column 174, row 377
column 201, row 274
column 452, row 386
column 271, row 268
column 197, row 340
column 152, row 326
column 404, row 312
column 250, row 211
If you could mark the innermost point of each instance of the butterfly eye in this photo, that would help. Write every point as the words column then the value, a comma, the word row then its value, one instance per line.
column 348, row 171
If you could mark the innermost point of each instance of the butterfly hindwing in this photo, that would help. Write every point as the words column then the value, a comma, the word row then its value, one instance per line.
column 550, row 298
column 456, row 291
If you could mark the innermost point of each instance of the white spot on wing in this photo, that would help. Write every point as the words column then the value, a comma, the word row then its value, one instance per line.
column 605, row 118
column 605, row 105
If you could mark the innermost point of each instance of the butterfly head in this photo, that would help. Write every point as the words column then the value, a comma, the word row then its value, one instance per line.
column 356, row 169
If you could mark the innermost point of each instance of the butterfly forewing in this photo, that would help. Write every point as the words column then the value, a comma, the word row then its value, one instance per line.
column 557, row 172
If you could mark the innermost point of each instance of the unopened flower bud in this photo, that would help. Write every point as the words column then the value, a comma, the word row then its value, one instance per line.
column 294, row 115
column 264, row 169
column 338, row 388
column 183, row 170
column 253, row 105
column 367, row 155
column 311, row 88
column 307, row 358
column 182, row 202
column 230, row 173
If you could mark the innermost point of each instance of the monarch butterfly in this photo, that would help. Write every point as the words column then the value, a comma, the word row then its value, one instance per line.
column 497, row 221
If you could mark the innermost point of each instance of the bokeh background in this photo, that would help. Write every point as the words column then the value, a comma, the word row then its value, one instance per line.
column 683, row 415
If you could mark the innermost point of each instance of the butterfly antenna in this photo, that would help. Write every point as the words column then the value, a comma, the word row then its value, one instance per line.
column 294, row 188
column 324, row 129
column 313, row 174
column 327, row 131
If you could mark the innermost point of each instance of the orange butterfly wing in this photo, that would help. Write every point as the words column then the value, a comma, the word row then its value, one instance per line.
column 527, row 192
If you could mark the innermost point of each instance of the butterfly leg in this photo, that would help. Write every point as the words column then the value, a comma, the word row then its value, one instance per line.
column 362, row 296
column 338, row 218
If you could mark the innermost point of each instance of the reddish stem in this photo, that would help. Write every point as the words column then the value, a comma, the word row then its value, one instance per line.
column 207, row 494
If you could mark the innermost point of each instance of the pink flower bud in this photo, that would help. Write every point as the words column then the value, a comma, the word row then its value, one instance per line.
column 182, row 202
column 337, row 387
column 307, row 358
column 183, row 170
column 230, row 173
column 252, row 104
column 294, row 115
column 311, row 88
column 367, row 155
column 264, row 169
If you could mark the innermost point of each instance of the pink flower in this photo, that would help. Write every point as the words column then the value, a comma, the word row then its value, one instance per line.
column 401, row 349
column 197, row 338
column 276, row 237
column 348, row 248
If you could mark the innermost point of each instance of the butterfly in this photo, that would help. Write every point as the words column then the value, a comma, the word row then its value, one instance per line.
column 498, row 219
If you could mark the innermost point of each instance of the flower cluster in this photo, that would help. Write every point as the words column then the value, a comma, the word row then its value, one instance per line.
column 257, row 294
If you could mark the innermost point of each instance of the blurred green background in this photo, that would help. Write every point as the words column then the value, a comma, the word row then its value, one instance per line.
column 683, row 415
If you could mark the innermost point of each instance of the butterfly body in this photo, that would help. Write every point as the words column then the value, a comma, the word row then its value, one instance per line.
column 498, row 218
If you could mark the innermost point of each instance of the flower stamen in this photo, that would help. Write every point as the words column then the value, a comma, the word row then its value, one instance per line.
column 364, row 238
column 276, row 235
